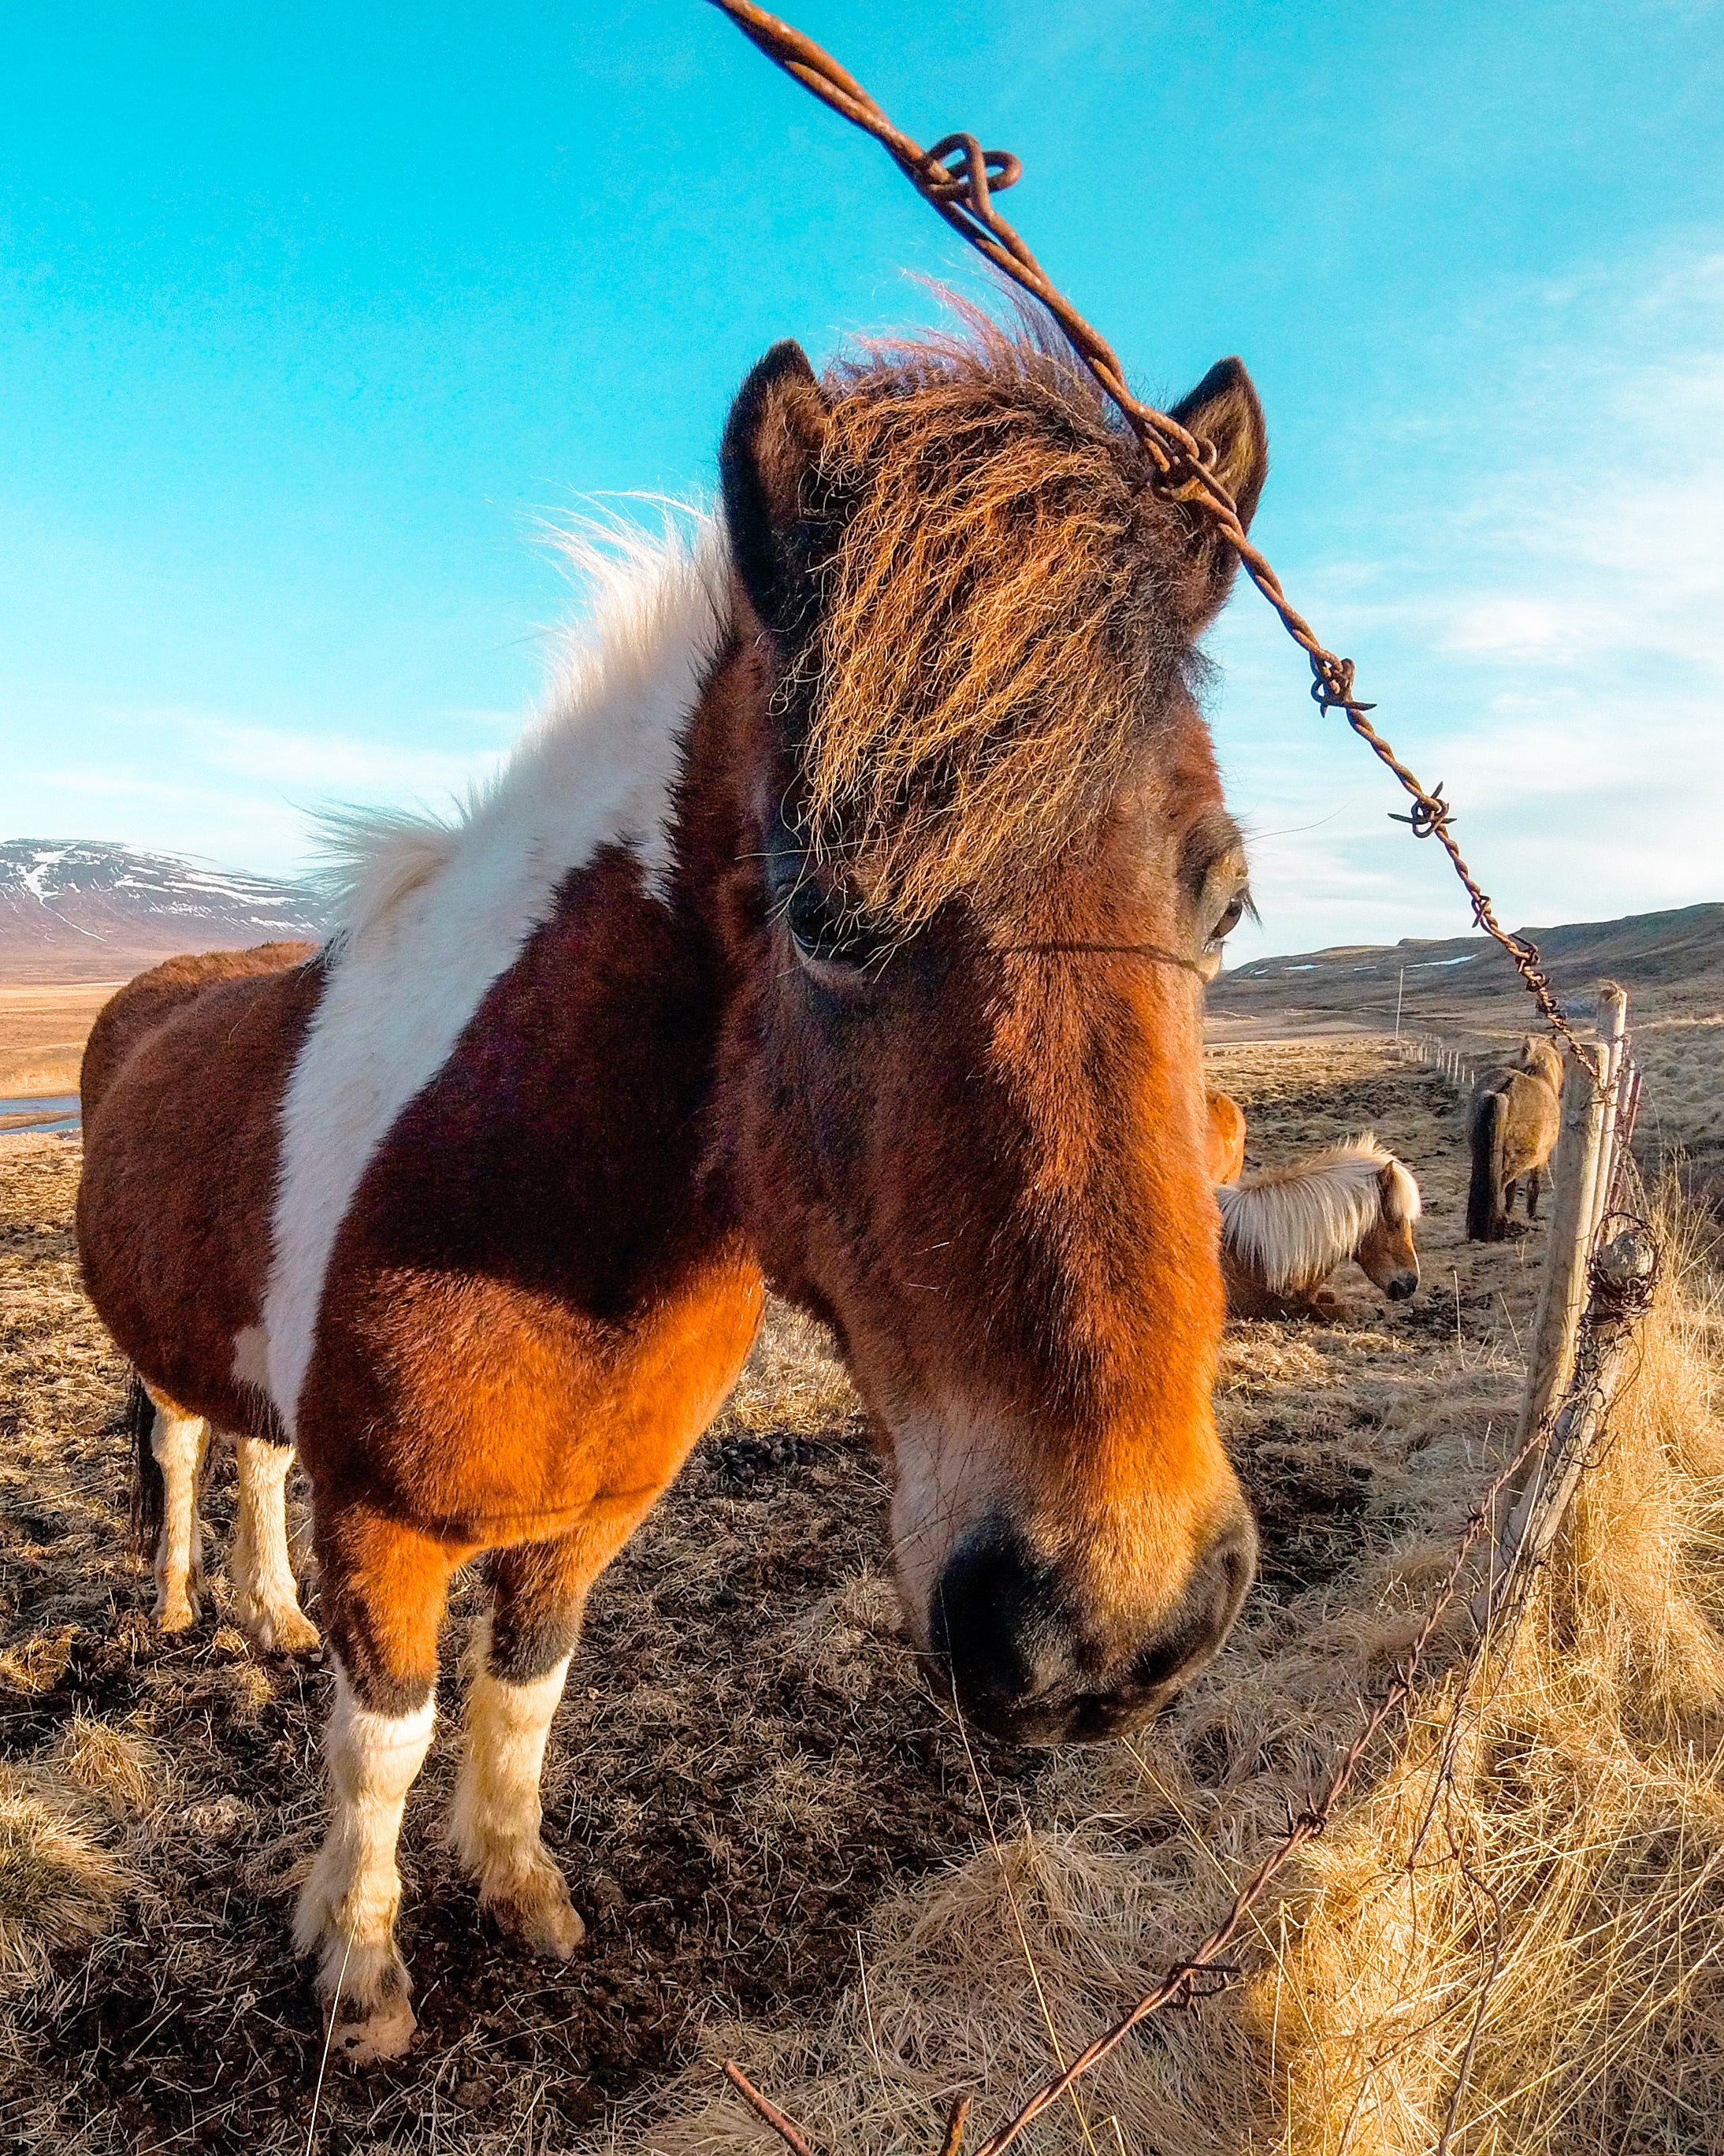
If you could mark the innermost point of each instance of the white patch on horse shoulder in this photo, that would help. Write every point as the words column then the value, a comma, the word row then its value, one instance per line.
column 430, row 927
column 251, row 1356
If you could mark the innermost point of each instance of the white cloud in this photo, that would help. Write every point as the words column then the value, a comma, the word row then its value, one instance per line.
column 1561, row 663
column 229, row 787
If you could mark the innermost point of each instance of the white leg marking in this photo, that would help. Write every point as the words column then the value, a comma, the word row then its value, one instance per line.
column 494, row 1821
column 179, row 1443
column 264, row 1585
column 347, row 1906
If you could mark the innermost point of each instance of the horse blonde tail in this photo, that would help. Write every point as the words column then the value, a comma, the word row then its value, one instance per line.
column 1486, row 1219
column 149, row 1486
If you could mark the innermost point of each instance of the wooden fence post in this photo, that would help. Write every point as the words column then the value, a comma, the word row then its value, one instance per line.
column 1612, row 1028
column 1562, row 1300
column 1563, row 1297
column 1626, row 1269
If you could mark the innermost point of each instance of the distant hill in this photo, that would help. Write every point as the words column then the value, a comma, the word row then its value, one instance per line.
column 1672, row 962
column 86, row 910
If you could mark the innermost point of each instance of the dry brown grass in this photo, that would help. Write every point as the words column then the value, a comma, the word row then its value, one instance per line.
column 59, row 1886
column 786, row 1851
column 1514, row 1935
column 42, row 1029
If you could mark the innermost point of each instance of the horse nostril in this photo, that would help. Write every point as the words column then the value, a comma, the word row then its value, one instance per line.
column 1198, row 1629
column 1402, row 1285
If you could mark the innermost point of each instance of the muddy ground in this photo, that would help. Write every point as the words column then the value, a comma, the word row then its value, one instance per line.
column 746, row 1758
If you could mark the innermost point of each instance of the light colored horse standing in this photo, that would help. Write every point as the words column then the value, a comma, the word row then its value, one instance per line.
column 844, row 920
column 1513, row 1121
column 1284, row 1231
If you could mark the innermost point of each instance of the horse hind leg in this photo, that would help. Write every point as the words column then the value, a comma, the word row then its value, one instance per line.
column 516, row 1665
column 1534, row 1181
column 383, row 1591
column 179, row 1447
column 265, row 1593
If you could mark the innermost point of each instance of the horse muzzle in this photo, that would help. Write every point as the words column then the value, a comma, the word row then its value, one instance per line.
column 1012, row 1650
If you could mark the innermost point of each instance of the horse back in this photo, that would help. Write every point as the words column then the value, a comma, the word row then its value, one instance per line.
column 183, row 1084
column 145, row 1001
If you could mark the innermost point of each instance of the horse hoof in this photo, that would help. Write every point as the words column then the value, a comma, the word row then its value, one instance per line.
column 385, row 2033
column 537, row 1911
column 283, row 1632
column 175, row 1613
column 552, row 1932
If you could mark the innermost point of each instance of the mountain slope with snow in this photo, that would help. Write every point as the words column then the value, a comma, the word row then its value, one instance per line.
column 89, row 911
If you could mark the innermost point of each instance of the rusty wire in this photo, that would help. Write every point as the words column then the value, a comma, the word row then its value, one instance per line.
column 959, row 178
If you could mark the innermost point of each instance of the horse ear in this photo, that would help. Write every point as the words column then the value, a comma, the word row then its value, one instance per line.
column 772, row 448
column 1223, row 411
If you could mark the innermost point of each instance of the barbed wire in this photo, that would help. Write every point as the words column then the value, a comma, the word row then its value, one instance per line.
column 959, row 179
column 1204, row 1974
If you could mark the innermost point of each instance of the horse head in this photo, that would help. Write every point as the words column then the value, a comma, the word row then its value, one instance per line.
column 984, row 870
column 1388, row 1254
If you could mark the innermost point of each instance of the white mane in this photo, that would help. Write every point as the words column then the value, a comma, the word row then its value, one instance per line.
column 599, row 761
column 1288, row 1227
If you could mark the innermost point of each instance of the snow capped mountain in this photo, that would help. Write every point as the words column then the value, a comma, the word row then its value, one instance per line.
column 91, row 911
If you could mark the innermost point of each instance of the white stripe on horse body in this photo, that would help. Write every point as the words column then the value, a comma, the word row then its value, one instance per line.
column 417, row 953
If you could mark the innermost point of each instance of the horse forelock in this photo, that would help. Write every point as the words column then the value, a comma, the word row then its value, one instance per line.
column 996, row 637
column 1402, row 1202
column 1290, row 1227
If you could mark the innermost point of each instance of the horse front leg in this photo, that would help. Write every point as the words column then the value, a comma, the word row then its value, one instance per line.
column 383, row 1588
column 179, row 1445
column 516, row 1666
column 266, row 1594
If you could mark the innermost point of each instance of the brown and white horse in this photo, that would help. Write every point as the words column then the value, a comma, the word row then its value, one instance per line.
column 1284, row 1231
column 844, row 920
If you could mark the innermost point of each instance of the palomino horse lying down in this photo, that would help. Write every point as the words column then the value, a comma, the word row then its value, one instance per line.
column 1513, row 1121
column 845, row 921
column 1284, row 1231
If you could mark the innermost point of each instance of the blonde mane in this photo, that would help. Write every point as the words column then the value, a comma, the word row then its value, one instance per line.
column 1288, row 1227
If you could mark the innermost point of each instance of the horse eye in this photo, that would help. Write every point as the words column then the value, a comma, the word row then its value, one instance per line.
column 825, row 932
column 1230, row 920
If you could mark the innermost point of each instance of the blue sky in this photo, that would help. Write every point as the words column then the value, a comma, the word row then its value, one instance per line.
column 308, row 320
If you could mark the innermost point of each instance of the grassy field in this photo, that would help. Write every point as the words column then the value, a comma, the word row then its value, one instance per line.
column 787, row 1851
column 42, row 1029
